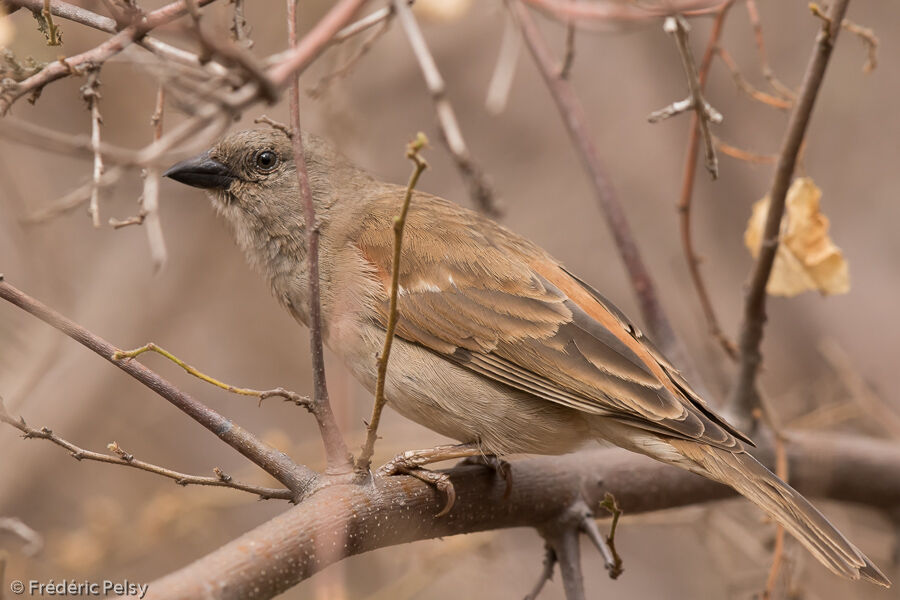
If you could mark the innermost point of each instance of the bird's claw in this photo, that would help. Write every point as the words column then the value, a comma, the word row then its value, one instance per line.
column 409, row 463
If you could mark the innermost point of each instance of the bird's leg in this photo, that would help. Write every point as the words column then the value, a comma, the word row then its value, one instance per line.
column 500, row 466
column 412, row 463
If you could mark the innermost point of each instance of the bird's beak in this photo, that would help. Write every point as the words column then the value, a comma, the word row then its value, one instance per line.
column 202, row 172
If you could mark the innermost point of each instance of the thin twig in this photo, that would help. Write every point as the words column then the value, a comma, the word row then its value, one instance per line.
column 869, row 39
column 73, row 199
column 337, row 456
column 98, row 55
column 574, row 119
column 298, row 478
column 368, row 449
column 679, row 28
column 872, row 406
column 753, row 15
column 744, row 395
column 741, row 82
column 150, row 198
column 687, row 192
column 274, row 125
column 505, row 69
column 323, row 84
column 610, row 504
column 745, row 155
column 610, row 13
column 120, row 457
column 34, row 541
column 569, row 55
column 54, row 38
column 546, row 572
column 288, row 395
column 240, row 31
column 90, row 91
column 479, row 188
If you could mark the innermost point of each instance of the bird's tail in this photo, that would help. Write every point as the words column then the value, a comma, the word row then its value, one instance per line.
column 784, row 504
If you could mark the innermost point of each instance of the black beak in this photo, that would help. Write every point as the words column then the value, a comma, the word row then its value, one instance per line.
column 202, row 172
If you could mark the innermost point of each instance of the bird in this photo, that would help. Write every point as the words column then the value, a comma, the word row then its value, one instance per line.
column 497, row 344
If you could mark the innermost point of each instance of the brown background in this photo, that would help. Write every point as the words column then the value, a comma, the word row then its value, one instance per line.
column 208, row 307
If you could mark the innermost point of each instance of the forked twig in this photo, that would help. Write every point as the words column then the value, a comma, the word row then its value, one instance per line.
column 120, row 355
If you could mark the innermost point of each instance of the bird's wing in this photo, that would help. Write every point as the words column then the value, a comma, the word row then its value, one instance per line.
column 497, row 304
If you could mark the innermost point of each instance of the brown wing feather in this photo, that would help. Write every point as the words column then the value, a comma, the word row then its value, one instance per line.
column 500, row 306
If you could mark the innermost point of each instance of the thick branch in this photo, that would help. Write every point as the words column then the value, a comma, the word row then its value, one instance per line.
column 289, row 548
column 744, row 395
column 298, row 478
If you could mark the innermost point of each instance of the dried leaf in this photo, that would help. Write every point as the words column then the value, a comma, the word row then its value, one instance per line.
column 807, row 259
column 442, row 10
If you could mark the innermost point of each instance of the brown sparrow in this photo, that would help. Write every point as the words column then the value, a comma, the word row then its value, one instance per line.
column 497, row 344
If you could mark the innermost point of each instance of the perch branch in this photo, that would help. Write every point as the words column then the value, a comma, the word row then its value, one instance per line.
column 288, row 548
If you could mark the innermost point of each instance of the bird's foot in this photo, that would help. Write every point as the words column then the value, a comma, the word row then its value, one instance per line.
column 412, row 463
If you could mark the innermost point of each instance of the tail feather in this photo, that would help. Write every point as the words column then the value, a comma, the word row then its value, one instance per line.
column 784, row 504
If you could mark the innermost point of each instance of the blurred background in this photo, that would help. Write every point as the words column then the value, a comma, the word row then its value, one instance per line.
column 208, row 307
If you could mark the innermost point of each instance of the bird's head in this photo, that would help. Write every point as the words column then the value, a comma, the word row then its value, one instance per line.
column 245, row 172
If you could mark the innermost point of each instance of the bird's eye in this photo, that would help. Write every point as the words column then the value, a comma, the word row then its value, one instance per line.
column 266, row 160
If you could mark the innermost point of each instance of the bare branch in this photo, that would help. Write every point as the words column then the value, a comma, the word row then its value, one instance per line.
column 785, row 92
column 687, row 192
column 95, row 56
column 90, row 91
column 617, row 13
column 298, row 478
column 741, row 82
column 323, row 84
column 412, row 153
column 746, row 156
column 574, row 119
column 745, row 396
column 150, row 199
column 297, row 399
column 479, row 188
column 120, row 457
column 240, row 31
column 546, row 572
column 336, row 453
column 75, row 198
column 34, row 541
column 505, row 69
column 839, row 467
column 679, row 28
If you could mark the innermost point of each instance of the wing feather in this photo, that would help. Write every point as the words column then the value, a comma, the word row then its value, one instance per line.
column 500, row 306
